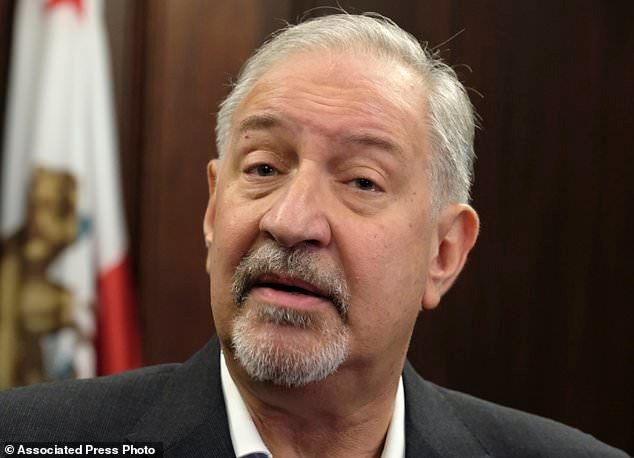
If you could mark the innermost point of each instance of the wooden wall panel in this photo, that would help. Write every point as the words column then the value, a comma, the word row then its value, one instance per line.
column 6, row 29
column 529, row 324
column 127, row 27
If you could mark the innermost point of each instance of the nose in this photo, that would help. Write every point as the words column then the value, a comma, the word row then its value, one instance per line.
column 298, row 214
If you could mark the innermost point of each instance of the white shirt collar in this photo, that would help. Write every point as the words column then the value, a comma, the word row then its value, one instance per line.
column 244, row 435
column 246, row 438
column 395, row 441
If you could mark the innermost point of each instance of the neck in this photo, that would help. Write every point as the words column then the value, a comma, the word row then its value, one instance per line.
column 347, row 414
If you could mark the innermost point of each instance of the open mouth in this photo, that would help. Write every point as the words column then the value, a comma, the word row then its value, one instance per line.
column 288, row 285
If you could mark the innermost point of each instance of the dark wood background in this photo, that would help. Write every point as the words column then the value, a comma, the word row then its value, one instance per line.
column 542, row 318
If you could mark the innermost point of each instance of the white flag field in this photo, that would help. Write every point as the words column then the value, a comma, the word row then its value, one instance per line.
column 66, row 303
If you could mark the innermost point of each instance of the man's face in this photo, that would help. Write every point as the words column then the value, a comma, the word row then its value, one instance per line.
column 320, row 227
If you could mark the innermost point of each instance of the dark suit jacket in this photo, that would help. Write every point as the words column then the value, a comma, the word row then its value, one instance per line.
column 182, row 406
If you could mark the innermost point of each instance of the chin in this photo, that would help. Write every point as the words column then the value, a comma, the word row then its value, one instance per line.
column 288, row 348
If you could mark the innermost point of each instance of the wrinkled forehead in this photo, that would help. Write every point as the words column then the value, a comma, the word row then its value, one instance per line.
column 324, row 87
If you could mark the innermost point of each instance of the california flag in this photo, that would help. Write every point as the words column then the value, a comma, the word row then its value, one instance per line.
column 66, row 307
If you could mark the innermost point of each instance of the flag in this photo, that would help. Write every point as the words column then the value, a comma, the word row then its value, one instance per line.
column 66, row 303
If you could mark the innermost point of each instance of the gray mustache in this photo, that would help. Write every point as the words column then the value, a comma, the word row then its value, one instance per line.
column 299, row 263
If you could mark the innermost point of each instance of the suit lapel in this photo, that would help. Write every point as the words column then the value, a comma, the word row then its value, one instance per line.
column 431, row 427
column 189, row 417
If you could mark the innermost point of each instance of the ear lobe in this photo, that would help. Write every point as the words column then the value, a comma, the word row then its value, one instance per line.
column 457, row 228
column 208, row 220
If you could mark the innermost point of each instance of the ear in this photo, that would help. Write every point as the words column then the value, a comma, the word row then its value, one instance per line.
column 457, row 230
column 208, row 221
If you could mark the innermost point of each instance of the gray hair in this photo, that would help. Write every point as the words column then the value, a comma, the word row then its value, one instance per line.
column 451, row 118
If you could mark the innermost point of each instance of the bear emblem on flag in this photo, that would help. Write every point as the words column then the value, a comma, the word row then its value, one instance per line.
column 32, row 305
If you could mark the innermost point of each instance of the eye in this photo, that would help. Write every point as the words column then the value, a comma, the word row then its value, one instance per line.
column 262, row 170
column 365, row 184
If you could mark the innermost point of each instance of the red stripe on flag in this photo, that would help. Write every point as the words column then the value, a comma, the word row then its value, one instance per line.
column 77, row 4
column 118, row 340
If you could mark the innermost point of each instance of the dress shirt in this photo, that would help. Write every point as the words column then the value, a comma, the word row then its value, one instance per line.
column 247, row 440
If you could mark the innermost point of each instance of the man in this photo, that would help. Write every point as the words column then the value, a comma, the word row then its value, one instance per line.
column 338, row 210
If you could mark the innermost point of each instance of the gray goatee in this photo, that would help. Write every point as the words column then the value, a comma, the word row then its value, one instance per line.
column 289, row 364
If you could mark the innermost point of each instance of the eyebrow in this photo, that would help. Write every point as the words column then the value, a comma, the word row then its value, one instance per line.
column 269, row 121
column 374, row 141
column 259, row 122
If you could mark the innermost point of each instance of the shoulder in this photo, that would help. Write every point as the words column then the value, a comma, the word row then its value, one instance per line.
column 102, row 408
column 502, row 431
column 505, row 431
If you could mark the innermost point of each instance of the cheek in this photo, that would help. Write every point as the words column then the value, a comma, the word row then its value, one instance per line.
column 388, row 271
column 235, row 232
column 387, row 287
column 234, row 235
column 395, row 250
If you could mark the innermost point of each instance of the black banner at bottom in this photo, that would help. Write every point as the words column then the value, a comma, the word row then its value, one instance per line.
column 81, row 449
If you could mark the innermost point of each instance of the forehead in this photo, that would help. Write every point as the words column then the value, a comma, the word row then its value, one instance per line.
column 337, row 93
